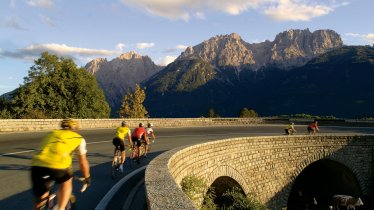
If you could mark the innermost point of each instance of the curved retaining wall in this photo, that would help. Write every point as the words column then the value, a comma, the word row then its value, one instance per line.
column 18, row 125
column 265, row 165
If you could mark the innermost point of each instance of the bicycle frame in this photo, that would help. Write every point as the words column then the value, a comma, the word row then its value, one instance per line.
column 134, row 153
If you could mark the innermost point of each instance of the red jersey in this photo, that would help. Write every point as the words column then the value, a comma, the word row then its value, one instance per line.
column 139, row 132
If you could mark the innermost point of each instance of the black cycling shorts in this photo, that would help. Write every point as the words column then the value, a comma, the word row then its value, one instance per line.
column 42, row 176
column 118, row 142
column 137, row 141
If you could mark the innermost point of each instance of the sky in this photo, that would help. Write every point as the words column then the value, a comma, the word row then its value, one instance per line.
column 161, row 29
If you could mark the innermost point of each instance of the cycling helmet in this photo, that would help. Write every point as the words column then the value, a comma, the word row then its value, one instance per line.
column 150, row 125
column 141, row 124
column 123, row 123
column 69, row 123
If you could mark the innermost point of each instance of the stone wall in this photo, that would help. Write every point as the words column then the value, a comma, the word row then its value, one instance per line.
column 17, row 125
column 266, row 166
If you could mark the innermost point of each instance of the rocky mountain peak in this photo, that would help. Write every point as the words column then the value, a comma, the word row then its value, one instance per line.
column 94, row 65
column 129, row 55
column 221, row 50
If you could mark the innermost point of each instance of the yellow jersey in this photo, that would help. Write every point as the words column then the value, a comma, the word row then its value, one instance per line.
column 56, row 149
column 121, row 132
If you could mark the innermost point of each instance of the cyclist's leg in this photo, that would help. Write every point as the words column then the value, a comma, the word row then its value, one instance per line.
column 64, row 178
column 64, row 193
column 39, row 186
column 122, row 149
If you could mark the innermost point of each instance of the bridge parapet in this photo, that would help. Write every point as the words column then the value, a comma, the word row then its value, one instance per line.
column 266, row 166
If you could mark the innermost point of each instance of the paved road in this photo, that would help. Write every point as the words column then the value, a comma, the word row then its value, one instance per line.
column 16, row 150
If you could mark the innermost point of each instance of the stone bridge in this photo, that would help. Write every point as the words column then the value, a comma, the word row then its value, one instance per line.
column 274, row 168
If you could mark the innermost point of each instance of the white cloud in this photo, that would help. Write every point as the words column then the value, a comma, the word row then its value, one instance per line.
column 34, row 51
column 353, row 34
column 41, row 3
column 369, row 37
column 283, row 10
column 294, row 10
column 47, row 20
column 144, row 45
column 177, row 48
column 120, row 47
column 166, row 60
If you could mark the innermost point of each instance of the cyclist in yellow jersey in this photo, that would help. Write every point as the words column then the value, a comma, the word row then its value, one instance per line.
column 53, row 162
column 119, row 140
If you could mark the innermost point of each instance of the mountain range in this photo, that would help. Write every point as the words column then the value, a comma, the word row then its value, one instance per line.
column 218, row 61
column 298, row 72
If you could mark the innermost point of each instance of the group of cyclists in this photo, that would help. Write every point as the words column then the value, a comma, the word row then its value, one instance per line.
column 139, row 136
column 312, row 128
column 53, row 161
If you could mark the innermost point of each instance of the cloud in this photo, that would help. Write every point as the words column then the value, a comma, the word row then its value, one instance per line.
column 281, row 10
column 34, row 51
column 12, row 23
column 177, row 48
column 369, row 37
column 366, row 37
column 166, row 60
column 47, row 20
column 353, row 34
column 120, row 47
column 293, row 10
column 144, row 45
column 40, row 3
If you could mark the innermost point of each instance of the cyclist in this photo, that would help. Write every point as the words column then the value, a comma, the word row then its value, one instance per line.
column 54, row 161
column 138, row 135
column 313, row 127
column 119, row 140
column 150, row 131
column 290, row 129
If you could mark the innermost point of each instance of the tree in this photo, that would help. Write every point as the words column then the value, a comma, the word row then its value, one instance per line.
column 57, row 88
column 5, row 109
column 245, row 113
column 212, row 113
column 132, row 104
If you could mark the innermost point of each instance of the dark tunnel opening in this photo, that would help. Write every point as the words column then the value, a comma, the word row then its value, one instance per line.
column 222, row 185
column 319, row 182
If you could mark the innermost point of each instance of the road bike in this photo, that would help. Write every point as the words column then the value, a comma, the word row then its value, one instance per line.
column 134, row 157
column 51, row 203
column 115, row 171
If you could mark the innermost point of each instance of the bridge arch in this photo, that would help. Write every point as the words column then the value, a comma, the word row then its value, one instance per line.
column 335, row 157
column 228, row 171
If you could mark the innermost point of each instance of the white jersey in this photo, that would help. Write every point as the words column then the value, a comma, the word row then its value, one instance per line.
column 149, row 130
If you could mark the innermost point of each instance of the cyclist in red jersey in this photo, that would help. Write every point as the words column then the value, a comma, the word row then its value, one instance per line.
column 313, row 127
column 138, row 135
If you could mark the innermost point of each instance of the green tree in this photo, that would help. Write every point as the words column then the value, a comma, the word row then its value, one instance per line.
column 235, row 199
column 132, row 104
column 5, row 109
column 212, row 113
column 57, row 88
column 245, row 112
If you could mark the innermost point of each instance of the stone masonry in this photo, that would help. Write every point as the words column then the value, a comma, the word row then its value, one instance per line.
column 266, row 166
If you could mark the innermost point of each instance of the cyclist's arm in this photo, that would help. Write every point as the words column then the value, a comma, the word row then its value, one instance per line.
column 84, row 166
column 129, row 138
column 153, row 135
column 83, row 162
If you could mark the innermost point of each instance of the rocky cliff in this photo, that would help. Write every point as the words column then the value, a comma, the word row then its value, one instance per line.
column 290, row 48
column 120, row 74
